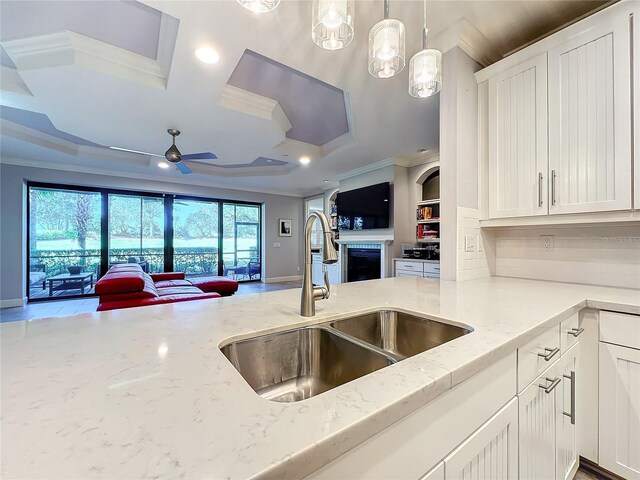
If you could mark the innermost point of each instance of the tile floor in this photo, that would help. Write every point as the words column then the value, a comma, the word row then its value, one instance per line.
column 63, row 308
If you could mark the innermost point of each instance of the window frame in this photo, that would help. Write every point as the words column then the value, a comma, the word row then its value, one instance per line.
column 168, row 199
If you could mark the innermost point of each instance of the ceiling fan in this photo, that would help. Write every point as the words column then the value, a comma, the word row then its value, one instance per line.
column 173, row 155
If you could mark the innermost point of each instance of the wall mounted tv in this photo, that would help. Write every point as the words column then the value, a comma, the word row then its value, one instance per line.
column 364, row 208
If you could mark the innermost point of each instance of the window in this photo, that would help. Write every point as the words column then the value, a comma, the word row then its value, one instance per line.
column 136, row 231
column 64, row 242
column 195, row 237
column 315, row 204
column 75, row 234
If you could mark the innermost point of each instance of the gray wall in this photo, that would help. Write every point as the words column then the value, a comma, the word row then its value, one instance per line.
column 283, row 261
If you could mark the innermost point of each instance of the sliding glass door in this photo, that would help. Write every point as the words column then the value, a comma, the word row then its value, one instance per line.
column 75, row 234
column 136, row 231
column 241, row 241
column 195, row 237
column 64, row 242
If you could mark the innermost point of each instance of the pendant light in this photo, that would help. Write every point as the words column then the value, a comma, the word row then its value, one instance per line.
column 260, row 6
column 332, row 23
column 425, row 68
column 386, row 46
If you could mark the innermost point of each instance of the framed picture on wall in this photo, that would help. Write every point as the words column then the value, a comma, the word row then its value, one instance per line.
column 284, row 227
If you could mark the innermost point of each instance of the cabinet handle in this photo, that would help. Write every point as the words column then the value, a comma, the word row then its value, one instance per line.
column 554, row 384
column 539, row 189
column 572, row 414
column 551, row 352
column 575, row 331
column 553, row 187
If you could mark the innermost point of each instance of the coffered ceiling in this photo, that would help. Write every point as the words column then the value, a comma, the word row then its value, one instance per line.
column 79, row 77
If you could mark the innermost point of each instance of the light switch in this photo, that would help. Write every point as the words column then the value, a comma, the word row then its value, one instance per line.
column 276, row 244
column 480, row 244
column 469, row 243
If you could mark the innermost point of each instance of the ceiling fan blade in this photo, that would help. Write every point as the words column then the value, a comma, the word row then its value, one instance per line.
column 128, row 150
column 199, row 156
column 183, row 168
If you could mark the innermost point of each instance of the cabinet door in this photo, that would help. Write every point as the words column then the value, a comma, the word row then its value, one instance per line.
column 566, row 420
column 518, row 158
column 537, row 414
column 620, row 410
column 636, row 107
column 491, row 452
column 590, row 120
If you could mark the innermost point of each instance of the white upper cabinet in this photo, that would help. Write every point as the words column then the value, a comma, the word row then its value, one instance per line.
column 517, row 132
column 636, row 107
column 590, row 120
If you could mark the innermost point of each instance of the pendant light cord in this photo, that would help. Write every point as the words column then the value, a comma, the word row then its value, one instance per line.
column 424, row 29
column 386, row 9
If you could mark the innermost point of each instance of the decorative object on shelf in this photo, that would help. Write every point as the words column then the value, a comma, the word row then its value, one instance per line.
column 424, row 213
column 425, row 68
column 334, row 209
column 284, row 227
column 332, row 23
column 386, row 46
column 260, row 6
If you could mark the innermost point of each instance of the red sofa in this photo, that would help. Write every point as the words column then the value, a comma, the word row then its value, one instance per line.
column 127, row 285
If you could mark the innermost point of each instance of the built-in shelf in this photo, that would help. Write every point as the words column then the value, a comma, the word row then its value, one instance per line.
column 428, row 202
column 429, row 220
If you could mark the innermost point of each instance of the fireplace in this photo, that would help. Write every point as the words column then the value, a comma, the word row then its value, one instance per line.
column 363, row 262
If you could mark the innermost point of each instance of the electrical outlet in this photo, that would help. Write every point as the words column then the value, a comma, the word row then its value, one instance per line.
column 298, row 268
column 480, row 244
column 469, row 243
column 276, row 244
column 547, row 243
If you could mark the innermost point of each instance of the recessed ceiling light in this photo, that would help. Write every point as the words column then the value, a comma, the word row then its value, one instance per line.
column 163, row 164
column 326, row 181
column 207, row 55
column 285, row 155
column 305, row 160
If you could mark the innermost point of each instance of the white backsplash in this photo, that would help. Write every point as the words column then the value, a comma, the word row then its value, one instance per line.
column 595, row 255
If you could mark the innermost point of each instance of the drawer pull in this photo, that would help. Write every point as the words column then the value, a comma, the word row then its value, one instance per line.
column 551, row 352
column 554, row 384
column 572, row 413
column 575, row 331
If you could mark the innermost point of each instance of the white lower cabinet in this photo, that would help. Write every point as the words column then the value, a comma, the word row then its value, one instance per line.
column 547, row 420
column 566, row 433
column 491, row 452
column 620, row 409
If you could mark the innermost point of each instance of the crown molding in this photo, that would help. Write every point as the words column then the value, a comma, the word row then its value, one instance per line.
column 243, row 101
column 366, row 169
column 11, row 81
column 70, row 48
column 466, row 36
column 34, row 137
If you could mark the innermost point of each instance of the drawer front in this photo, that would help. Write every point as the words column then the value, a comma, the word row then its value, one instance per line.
column 432, row 268
column 620, row 328
column 407, row 265
column 569, row 332
column 408, row 273
column 538, row 355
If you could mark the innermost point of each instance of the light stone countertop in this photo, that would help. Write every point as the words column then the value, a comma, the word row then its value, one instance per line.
column 146, row 392
column 422, row 260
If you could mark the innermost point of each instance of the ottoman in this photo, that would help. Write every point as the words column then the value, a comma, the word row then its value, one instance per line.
column 222, row 285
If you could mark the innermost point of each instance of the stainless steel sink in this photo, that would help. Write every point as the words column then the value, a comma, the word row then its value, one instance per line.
column 398, row 333
column 298, row 364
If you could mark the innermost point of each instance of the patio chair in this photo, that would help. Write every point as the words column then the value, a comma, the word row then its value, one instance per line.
column 253, row 268
column 37, row 274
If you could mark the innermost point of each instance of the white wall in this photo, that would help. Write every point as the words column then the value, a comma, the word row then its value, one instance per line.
column 284, row 261
column 596, row 255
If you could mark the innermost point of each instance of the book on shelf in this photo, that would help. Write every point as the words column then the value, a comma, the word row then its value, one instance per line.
column 425, row 232
column 424, row 213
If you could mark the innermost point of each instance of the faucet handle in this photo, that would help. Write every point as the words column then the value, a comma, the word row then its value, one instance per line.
column 327, row 287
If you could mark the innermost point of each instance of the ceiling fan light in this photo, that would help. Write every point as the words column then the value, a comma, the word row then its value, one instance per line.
column 425, row 73
column 260, row 6
column 332, row 23
column 386, row 48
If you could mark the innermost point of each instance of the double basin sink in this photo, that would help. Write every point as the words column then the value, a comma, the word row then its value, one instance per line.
column 296, row 364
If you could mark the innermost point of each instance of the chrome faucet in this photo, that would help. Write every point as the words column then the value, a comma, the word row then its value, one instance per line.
column 311, row 293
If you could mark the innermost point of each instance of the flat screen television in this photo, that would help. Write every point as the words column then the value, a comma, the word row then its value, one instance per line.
column 364, row 208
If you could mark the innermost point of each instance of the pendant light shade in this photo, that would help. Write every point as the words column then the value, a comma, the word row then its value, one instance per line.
column 386, row 46
column 332, row 23
column 425, row 68
column 260, row 6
